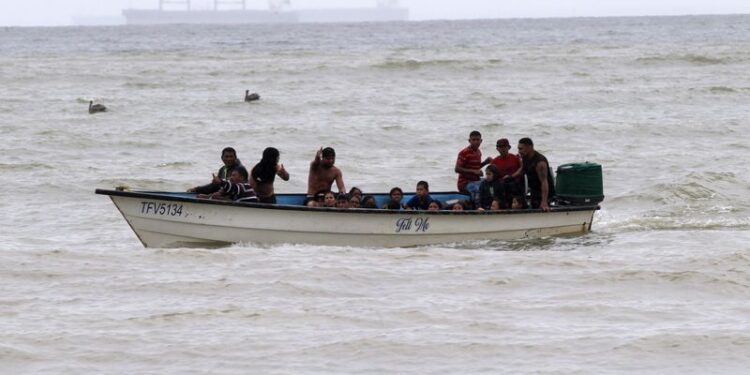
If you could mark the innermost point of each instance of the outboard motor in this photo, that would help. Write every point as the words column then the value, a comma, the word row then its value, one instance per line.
column 579, row 184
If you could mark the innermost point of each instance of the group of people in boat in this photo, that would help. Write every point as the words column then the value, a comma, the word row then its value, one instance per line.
column 501, row 185
column 234, row 182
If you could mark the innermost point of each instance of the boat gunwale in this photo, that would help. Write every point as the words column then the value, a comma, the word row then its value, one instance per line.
column 162, row 195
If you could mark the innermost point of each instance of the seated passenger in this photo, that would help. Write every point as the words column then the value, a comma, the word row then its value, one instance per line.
column 491, row 188
column 434, row 206
column 316, row 200
column 517, row 202
column 496, row 204
column 421, row 200
column 396, row 195
column 354, row 202
column 329, row 199
column 236, row 188
column 510, row 170
column 229, row 157
column 355, row 192
column 369, row 202
column 458, row 206
column 342, row 201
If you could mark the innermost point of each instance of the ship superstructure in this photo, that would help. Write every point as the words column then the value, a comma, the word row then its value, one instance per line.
column 277, row 11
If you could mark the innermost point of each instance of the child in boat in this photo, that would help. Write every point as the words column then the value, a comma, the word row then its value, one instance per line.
column 354, row 202
column 369, row 202
column 396, row 195
column 491, row 188
column 342, row 201
column 316, row 200
column 495, row 204
column 434, row 206
column 421, row 200
column 235, row 188
column 517, row 202
column 329, row 199
column 458, row 206
column 355, row 192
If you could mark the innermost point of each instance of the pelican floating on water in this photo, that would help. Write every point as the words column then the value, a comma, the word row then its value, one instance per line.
column 94, row 108
column 251, row 97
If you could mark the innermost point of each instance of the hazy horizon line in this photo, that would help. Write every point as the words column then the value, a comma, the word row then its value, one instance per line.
column 84, row 17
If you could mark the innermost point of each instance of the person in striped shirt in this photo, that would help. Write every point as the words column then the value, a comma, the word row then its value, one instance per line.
column 236, row 188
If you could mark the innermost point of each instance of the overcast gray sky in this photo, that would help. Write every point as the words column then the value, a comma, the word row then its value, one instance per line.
column 64, row 12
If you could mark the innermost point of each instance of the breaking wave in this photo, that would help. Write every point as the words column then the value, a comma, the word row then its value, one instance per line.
column 704, row 201
column 413, row 64
column 684, row 58
column 5, row 167
column 721, row 90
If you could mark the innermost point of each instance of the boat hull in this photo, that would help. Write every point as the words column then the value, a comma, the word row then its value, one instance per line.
column 160, row 220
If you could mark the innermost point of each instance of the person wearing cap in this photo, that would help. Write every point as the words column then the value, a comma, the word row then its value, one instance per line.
column 323, row 173
column 510, row 170
column 469, row 165
column 538, row 174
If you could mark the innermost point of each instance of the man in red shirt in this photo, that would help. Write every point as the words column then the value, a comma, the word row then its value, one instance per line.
column 469, row 165
column 510, row 169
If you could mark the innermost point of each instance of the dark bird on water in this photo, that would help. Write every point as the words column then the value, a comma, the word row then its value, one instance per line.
column 94, row 108
column 251, row 97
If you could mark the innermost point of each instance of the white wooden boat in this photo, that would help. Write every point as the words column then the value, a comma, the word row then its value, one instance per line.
column 166, row 219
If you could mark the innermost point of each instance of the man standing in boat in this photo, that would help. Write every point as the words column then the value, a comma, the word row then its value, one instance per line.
column 229, row 157
column 538, row 174
column 323, row 173
column 469, row 165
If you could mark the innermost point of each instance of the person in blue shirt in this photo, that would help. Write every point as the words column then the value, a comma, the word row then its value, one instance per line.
column 421, row 200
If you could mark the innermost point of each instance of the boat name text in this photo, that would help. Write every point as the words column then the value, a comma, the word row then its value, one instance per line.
column 163, row 209
column 407, row 224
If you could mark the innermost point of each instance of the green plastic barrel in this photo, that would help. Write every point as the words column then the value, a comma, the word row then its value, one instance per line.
column 579, row 183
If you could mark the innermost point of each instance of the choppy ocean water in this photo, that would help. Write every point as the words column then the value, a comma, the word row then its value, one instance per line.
column 661, row 285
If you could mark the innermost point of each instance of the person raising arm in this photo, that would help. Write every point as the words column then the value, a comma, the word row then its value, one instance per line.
column 323, row 172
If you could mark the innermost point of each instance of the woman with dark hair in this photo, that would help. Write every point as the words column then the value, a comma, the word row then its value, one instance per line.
column 265, row 172
column 491, row 189
column 369, row 202
column 355, row 192
column 394, row 203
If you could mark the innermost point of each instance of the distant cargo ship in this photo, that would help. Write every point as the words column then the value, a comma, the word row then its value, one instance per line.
column 386, row 10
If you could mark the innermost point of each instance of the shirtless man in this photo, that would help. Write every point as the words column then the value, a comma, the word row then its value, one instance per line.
column 323, row 173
